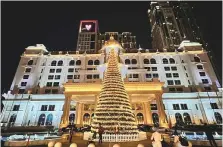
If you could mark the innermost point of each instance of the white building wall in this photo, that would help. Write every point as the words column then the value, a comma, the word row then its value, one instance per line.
column 42, row 65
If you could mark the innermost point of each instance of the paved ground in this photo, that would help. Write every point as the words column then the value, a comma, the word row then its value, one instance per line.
column 81, row 143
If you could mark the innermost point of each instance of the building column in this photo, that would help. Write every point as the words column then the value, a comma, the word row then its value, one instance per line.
column 161, row 111
column 77, row 110
column 66, row 111
column 148, row 113
column 79, row 113
column 203, row 113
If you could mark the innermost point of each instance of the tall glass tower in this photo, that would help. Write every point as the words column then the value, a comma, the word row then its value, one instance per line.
column 172, row 22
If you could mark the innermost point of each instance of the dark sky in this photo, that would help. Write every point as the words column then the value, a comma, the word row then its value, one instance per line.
column 55, row 24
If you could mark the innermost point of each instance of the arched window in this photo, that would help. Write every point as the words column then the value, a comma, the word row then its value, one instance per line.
column 140, row 118
column 197, row 59
column 54, row 63
column 134, row 61
column 60, row 63
column 165, row 61
column 179, row 118
column 49, row 119
column 12, row 118
column 218, row 118
column 199, row 67
column 96, row 62
column 78, row 62
column 187, row 118
column 152, row 61
column 86, row 118
column 155, row 119
column 71, row 118
column 146, row 61
column 30, row 62
column 71, row 62
column 90, row 62
column 41, row 120
column 127, row 61
column 172, row 61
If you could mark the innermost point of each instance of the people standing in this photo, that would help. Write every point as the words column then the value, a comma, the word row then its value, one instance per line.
column 210, row 137
column 71, row 135
column 157, row 138
column 100, row 132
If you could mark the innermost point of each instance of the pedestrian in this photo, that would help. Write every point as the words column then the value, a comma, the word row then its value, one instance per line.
column 71, row 135
column 100, row 132
column 208, row 132
column 94, row 135
column 156, row 138
column 181, row 142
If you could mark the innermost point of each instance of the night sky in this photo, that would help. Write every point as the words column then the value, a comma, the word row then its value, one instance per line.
column 55, row 24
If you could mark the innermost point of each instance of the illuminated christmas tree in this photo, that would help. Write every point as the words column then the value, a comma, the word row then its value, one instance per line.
column 114, row 110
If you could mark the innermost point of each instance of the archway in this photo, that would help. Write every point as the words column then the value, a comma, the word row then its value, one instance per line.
column 86, row 119
column 155, row 119
column 218, row 118
column 13, row 118
column 187, row 118
column 179, row 118
column 41, row 120
column 49, row 119
column 96, row 62
column 172, row 61
column 127, row 61
column 30, row 62
column 146, row 61
column 197, row 59
column 71, row 118
column 165, row 61
column 71, row 63
column 140, row 118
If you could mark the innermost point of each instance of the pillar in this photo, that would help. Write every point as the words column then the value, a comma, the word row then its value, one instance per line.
column 204, row 116
column 79, row 119
column 161, row 111
column 66, row 111
column 77, row 110
column 148, row 115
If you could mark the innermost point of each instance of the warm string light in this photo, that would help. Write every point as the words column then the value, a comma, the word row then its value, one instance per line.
column 114, row 107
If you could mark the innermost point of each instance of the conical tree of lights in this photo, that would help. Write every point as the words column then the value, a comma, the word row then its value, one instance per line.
column 114, row 111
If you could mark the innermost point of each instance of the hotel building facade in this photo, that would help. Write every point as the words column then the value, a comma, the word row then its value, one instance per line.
column 164, row 85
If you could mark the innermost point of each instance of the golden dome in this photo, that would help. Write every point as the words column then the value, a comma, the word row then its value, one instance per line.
column 112, row 41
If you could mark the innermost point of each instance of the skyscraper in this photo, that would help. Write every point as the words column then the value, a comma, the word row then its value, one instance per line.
column 187, row 22
column 165, row 31
column 88, row 36
column 172, row 23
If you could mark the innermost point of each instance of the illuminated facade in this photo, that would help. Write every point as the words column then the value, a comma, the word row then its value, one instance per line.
column 185, row 81
column 58, row 88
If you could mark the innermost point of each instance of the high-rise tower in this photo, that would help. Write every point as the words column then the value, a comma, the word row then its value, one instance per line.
column 187, row 22
column 172, row 23
column 165, row 31
column 88, row 36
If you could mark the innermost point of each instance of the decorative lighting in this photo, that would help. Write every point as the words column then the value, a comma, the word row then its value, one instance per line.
column 114, row 109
